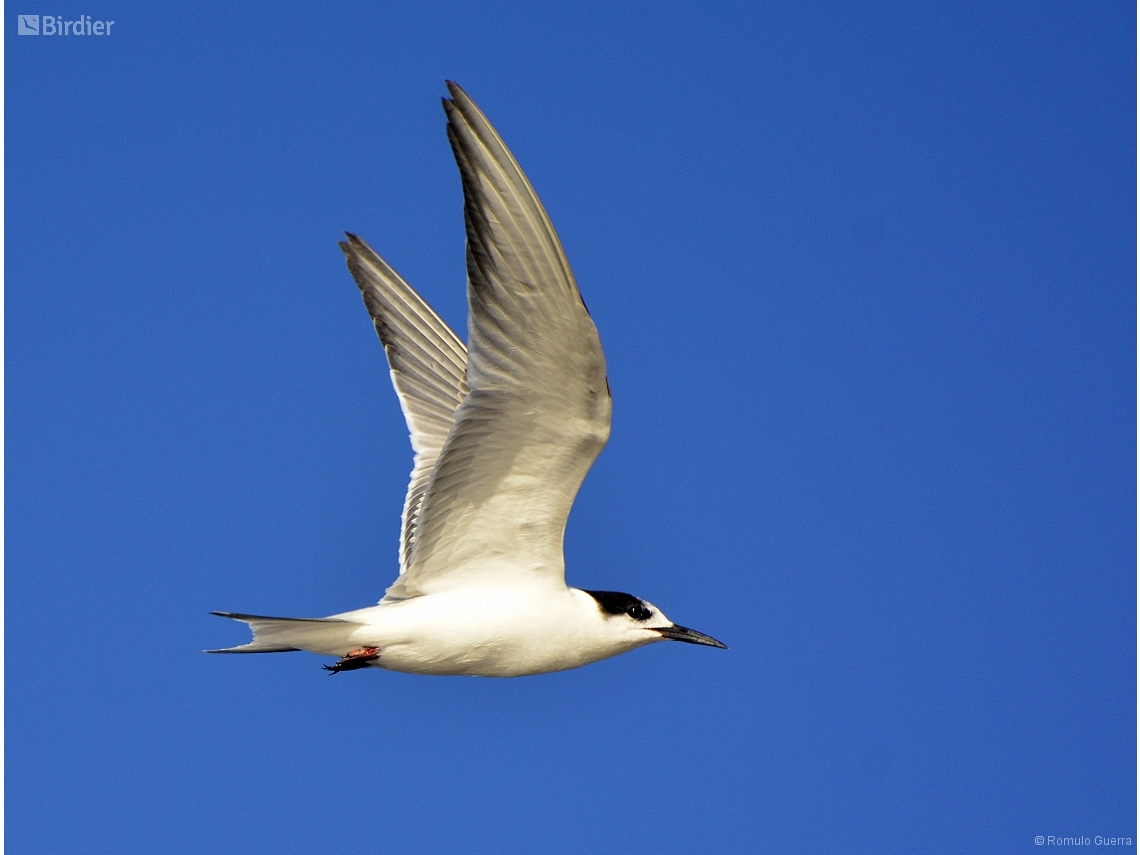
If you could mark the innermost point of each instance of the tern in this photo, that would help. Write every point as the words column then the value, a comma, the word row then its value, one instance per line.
column 503, row 430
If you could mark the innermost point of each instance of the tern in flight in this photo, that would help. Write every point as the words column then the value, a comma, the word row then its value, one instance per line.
column 504, row 430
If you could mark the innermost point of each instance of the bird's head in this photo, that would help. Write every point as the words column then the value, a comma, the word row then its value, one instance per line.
column 640, row 622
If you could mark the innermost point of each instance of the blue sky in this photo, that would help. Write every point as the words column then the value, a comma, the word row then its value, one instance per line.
column 865, row 278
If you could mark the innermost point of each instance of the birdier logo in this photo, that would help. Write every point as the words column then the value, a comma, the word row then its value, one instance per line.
column 54, row 25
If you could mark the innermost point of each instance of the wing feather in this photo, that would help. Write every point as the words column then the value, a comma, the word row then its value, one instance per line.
column 537, row 412
column 428, row 365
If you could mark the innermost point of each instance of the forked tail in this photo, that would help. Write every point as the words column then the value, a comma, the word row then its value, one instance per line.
column 327, row 636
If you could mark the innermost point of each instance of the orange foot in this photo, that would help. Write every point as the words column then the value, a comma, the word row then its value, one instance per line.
column 354, row 659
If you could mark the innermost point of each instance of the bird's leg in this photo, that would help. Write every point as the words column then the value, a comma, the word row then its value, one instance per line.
column 354, row 659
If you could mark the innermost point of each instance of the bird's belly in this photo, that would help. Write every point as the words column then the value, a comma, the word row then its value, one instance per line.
column 481, row 639
column 483, row 657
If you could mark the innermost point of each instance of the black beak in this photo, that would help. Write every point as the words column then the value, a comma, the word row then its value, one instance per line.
column 681, row 633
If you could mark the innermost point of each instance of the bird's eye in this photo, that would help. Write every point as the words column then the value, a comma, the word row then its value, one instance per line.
column 639, row 612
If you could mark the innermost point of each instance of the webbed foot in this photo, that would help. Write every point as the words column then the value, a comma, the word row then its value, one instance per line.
column 354, row 659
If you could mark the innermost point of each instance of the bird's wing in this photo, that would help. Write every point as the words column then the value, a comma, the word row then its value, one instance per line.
column 538, row 410
column 428, row 363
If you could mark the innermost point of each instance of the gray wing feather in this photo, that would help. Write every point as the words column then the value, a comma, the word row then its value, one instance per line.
column 538, row 410
column 428, row 364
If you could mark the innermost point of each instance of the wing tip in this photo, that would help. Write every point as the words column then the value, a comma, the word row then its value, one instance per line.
column 354, row 245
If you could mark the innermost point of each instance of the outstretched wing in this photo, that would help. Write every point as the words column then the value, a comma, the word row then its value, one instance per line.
column 538, row 410
column 428, row 363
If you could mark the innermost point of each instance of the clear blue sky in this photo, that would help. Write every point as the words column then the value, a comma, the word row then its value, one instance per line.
column 865, row 278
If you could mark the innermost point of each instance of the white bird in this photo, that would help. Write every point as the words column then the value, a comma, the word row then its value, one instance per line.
column 504, row 430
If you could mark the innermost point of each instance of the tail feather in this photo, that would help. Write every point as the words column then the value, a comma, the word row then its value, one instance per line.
column 329, row 636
